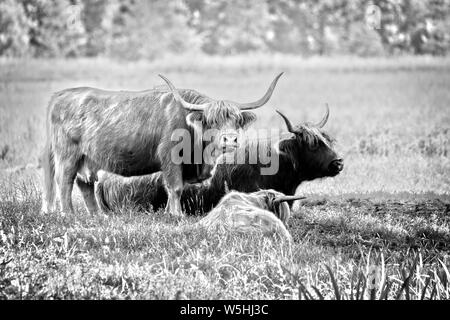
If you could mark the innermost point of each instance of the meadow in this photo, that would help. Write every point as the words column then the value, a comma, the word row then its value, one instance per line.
column 386, row 217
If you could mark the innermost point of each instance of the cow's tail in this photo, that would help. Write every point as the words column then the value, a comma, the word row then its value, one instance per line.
column 49, row 187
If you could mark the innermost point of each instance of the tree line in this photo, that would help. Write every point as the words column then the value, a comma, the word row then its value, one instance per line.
column 141, row 29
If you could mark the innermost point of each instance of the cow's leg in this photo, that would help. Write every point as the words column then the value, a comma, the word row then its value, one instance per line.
column 48, row 190
column 65, row 173
column 87, row 190
column 174, row 185
column 173, row 204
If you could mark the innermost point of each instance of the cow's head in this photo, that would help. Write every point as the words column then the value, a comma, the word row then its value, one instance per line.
column 311, row 149
column 276, row 202
column 223, row 119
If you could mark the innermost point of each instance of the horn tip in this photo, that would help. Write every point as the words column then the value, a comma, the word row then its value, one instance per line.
column 279, row 76
column 163, row 77
column 280, row 113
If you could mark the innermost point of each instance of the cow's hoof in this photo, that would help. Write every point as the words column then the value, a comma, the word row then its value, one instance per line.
column 174, row 213
column 178, row 214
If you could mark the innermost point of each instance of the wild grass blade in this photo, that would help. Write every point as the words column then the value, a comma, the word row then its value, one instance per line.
column 301, row 292
column 424, row 290
column 383, row 273
column 358, row 287
column 385, row 292
column 447, row 273
column 305, row 292
column 433, row 291
column 352, row 285
column 335, row 285
column 403, row 287
column 318, row 293
column 364, row 283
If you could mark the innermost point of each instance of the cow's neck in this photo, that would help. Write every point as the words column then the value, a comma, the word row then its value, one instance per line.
column 286, row 180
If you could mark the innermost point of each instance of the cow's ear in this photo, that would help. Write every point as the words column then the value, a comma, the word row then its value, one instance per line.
column 284, row 212
column 195, row 120
column 247, row 119
column 270, row 199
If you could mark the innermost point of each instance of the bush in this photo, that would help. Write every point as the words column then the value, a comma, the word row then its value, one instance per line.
column 364, row 42
column 57, row 29
column 14, row 26
column 148, row 30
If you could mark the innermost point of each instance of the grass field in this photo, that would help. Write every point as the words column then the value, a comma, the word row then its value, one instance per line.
column 386, row 214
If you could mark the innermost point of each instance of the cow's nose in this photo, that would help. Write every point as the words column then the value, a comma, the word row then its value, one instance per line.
column 336, row 166
column 229, row 140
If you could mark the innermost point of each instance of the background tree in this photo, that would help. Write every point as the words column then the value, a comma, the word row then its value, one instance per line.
column 141, row 29
column 97, row 18
column 148, row 29
column 229, row 27
column 55, row 27
column 14, row 26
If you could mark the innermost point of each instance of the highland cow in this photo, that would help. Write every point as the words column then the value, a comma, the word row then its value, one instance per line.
column 130, row 134
column 264, row 211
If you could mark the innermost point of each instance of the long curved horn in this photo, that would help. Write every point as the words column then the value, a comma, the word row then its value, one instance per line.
column 288, row 198
column 324, row 121
column 180, row 100
column 289, row 125
column 263, row 100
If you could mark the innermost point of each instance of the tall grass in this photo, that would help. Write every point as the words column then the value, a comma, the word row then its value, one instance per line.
column 388, row 115
column 130, row 255
column 391, row 123
column 410, row 280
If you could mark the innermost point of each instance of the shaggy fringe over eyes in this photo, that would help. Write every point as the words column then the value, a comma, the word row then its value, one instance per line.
column 310, row 136
column 313, row 136
column 259, row 199
column 220, row 112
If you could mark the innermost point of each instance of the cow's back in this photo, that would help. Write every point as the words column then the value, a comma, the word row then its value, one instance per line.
column 118, row 131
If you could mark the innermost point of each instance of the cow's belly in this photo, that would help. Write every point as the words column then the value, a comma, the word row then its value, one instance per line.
column 132, row 166
column 121, row 162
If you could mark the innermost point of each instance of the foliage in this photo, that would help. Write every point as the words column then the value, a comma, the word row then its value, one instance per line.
column 148, row 29
column 138, row 29
column 230, row 27
column 14, row 26
column 55, row 29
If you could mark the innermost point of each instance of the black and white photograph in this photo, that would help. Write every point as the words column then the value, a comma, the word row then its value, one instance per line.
column 224, row 150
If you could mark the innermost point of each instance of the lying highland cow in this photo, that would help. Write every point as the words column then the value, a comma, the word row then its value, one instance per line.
column 307, row 155
column 264, row 211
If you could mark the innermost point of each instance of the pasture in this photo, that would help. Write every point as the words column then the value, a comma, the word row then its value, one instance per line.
column 387, row 215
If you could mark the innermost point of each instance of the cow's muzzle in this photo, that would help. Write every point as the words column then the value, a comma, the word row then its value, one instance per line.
column 336, row 166
column 228, row 142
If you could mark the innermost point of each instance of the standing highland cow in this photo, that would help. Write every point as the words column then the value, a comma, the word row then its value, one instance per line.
column 307, row 155
column 130, row 133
